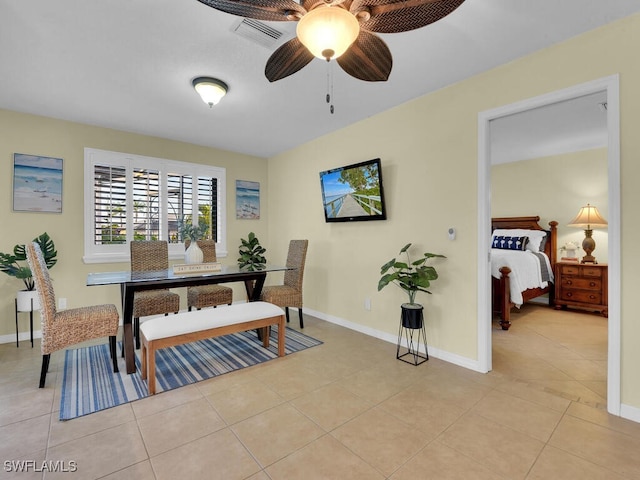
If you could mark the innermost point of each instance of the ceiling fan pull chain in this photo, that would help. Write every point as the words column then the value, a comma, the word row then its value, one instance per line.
column 328, row 89
column 330, row 86
column 332, row 95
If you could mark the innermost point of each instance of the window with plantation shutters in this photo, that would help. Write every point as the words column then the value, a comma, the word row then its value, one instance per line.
column 180, row 201
column 110, row 205
column 207, row 205
column 182, row 197
column 146, row 204
column 130, row 197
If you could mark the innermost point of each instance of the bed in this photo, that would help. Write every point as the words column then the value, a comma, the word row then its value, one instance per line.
column 518, row 275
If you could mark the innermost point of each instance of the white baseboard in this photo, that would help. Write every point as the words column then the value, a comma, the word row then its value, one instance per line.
column 392, row 338
column 11, row 338
column 630, row 413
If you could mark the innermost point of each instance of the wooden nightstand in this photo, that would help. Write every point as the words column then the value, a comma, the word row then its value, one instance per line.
column 582, row 285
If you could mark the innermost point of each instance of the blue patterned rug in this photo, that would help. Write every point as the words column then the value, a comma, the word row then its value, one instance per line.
column 89, row 384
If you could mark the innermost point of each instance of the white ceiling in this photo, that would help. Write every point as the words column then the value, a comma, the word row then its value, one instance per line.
column 563, row 127
column 128, row 65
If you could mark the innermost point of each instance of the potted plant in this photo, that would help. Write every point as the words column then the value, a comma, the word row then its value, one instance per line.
column 193, row 233
column 251, row 253
column 12, row 266
column 412, row 277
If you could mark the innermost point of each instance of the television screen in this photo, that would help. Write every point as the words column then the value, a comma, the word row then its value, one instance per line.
column 353, row 193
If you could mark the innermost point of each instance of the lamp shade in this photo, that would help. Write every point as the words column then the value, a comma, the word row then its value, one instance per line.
column 211, row 90
column 327, row 31
column 588, row 217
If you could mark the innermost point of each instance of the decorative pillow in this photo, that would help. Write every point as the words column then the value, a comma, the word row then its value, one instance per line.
column 535, row 236
column 543, row 242
column 510, row 243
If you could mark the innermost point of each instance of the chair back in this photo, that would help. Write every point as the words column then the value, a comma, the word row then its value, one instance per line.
column 295, row 259
column 43, row 284
column 149, row 255
column 208, row 248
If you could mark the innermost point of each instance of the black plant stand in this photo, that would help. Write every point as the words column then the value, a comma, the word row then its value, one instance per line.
column 30, row 324
column 413, row 330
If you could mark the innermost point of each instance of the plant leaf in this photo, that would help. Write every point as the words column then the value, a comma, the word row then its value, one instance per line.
column 48, row 249
column 387, row 266
column 386, row 280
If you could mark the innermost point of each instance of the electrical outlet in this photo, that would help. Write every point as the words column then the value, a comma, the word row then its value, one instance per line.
column 367, row 303
column 62, row 303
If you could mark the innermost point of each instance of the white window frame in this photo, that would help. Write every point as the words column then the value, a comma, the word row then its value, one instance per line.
column 120, row 252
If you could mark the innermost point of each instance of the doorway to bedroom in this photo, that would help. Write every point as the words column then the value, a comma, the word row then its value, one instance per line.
column 530, row 163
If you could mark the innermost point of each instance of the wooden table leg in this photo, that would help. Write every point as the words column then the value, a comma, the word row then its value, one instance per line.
column 254, row 289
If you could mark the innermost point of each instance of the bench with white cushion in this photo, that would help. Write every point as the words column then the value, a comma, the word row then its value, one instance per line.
column 187, row 327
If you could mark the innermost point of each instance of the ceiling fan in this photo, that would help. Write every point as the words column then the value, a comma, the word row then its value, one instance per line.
column 339, row 29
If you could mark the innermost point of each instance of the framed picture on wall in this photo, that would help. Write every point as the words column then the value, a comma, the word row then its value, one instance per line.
column 247, row 200
column 37, row 183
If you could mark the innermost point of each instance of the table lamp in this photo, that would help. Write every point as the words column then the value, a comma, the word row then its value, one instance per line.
column 588, row 218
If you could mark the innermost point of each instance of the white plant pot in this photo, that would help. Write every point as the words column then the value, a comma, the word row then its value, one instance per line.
column 193, row 254
column 25, row 297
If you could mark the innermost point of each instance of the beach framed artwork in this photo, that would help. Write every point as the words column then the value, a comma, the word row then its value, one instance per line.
column 37, row 183
column 247, row 200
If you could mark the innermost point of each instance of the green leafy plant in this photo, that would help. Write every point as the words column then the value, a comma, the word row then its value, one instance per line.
column 193, row 232
column 412, row 277
column 251, row 253
column 10, row 265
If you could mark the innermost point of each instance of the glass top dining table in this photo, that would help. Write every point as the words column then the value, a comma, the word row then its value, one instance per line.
column 131, row 282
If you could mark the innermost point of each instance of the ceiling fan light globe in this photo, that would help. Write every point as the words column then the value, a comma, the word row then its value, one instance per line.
column 211, row 90
column 328, row 31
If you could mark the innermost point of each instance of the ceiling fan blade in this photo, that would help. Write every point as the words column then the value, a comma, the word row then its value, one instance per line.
column 268, row 10
column 368, row 58
column 393, row 16
column 310, row 4
column 287, row 60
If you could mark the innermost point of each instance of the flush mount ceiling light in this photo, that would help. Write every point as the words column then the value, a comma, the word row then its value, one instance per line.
column 210, row 89
column 359, row 51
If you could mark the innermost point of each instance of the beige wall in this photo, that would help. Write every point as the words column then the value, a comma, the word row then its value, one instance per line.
column 429, row 154
column 555, row 188
column 44, row 136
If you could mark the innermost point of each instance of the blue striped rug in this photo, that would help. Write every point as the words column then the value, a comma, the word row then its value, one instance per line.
column 89, row 384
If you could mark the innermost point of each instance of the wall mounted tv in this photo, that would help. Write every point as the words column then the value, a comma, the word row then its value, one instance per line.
column 353, row 193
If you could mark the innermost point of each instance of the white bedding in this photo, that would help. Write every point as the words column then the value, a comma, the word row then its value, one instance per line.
column 525, row 271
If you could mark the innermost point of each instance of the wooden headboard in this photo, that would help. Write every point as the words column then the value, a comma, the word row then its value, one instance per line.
column 531, row 223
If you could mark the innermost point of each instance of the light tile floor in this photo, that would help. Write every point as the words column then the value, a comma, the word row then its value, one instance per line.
column 347, row 410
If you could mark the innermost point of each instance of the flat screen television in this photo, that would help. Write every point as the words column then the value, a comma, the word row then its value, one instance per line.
column 353, row 193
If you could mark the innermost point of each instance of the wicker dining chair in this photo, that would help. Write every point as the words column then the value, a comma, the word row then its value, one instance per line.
column 150, row 255
column 290, row 293
column 207, row 295
column 68, row 327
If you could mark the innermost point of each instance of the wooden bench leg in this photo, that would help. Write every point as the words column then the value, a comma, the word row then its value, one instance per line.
column 143, row 362
column 281, row 327
column 151, row 368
